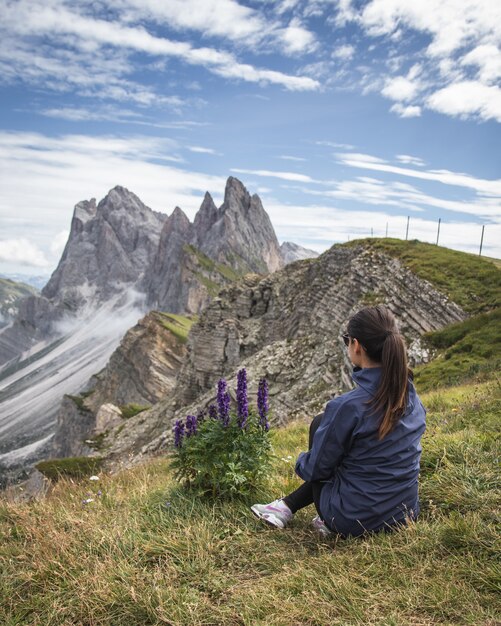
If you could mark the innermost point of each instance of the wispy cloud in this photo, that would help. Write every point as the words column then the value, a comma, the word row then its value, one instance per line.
column 32, row 19
column 291, row 176
column 287, row 157
column 201, row 150
column 410, row 160
column 333, row 144
column 323, row 225
column 111, row 113
column 369, row 162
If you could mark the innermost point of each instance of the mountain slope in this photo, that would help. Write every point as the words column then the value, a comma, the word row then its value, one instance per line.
column 288, row 327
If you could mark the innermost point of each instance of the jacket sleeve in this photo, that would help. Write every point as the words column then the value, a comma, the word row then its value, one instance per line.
column 331, row 441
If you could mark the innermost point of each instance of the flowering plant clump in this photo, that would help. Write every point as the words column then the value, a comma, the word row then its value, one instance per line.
column 228, row 454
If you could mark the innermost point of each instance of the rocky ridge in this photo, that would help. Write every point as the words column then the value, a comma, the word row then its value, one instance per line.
column 288, row 327
column 141, row 371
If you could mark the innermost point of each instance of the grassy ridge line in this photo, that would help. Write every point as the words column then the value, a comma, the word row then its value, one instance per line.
column 471, row 281
column 144, row 552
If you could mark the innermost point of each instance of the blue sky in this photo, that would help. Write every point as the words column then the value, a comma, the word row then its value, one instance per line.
column 345, row 116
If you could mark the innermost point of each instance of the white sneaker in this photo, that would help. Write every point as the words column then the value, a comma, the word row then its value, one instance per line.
column 276, row 513
column 319, row 525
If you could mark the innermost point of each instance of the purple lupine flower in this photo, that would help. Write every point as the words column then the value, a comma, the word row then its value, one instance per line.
column 262, row 404
column 178, row 433
column 191, row 425
column 213, row 411
column 242, row 402
column 223, row 402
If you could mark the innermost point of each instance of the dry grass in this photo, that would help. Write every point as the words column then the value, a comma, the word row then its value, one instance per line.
column 145, row 552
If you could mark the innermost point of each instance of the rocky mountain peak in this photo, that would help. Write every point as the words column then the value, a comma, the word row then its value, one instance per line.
column 293, row 252
column 177, row 220
column 207, row 215
column 236, row 196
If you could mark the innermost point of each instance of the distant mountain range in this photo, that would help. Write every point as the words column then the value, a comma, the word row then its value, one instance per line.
column 121, row 260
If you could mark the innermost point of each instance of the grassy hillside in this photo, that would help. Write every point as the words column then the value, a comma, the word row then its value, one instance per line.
column 471, row 281
column 144, row 552
column 468, row 349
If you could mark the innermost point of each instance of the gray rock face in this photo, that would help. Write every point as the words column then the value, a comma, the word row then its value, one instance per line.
column 292, row 252
column 288, row 327
column 221, row 245
column 240, row 233
column 109, row 248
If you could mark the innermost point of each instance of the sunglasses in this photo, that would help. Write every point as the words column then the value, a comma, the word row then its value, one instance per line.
column 346, row 339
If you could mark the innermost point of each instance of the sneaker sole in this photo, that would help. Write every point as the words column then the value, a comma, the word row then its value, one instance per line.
column 269, row 518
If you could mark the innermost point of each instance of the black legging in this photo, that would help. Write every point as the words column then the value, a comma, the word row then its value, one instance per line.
column 309, row 492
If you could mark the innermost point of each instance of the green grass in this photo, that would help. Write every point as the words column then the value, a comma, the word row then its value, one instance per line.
column 178, row 325
column 207, row 264
column 147, row 552
column 129, row 410
column 73, row 467
column 471, row 281
column 465, row 350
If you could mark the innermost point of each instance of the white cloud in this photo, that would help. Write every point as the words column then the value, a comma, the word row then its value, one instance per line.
column 29, row 20
column 400, row 88
column 487, row 58
column 365, row 190
column 221, row 18
column 451, row 24
column 291, row 176
column 333, row 144
column 446, row 177
column 468, row 98
column 406, row 111
column 410, row 160
column 23, row 252
column 286, row 157
column 345, row 52
column 296, row 38
column 201, row 150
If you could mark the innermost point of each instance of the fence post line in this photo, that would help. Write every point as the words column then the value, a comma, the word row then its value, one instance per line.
column 386, row 230
column 481, row 241
column 438, row 231
column 407, row 231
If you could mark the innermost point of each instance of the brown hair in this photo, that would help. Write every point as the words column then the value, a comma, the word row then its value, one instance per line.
column 376, row 329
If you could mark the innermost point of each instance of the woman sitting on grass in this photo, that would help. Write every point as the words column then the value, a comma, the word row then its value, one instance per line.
column 362, row 467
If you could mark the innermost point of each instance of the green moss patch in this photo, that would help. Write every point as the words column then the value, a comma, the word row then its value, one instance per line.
column 71, row 467
column 129, row 410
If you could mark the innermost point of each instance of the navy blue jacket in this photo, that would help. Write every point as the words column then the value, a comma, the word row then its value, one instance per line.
column 369, row 484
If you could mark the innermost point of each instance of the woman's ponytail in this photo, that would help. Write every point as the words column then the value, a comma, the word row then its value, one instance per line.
column 376, row 330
